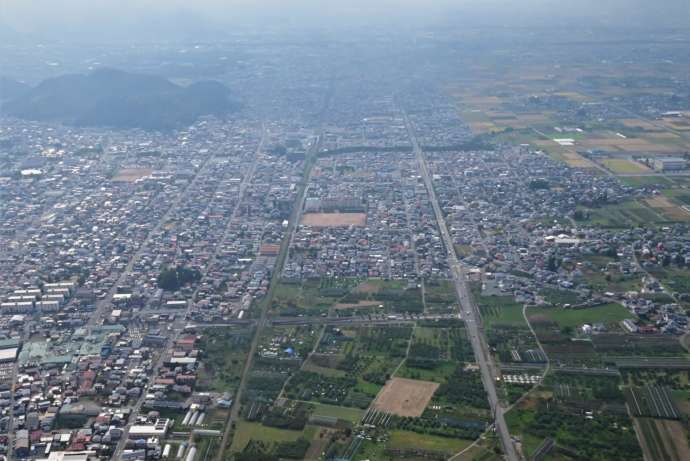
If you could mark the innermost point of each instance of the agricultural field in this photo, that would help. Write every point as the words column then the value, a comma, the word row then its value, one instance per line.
column 361, row 375
column 248, row 431
column 435, row 352
column 637, row 345
column 676, row 279
column 595, row 391
column 651, row 401
column 558, row 330
column 659, row 400
column 603, row 437
column 624, row 166
column 645, row 181
column 350, row 366
column 407, row 440
column 514, row 344
column 280, row 353
column 547, row 115
column 394, row 295
column 507, row 332
column 347, row 297
column 632, row 213
column 225, row 353
column 595, row 406
column 602, row 274
column 353, row 415
column 440, row 296
column 291, row 429
column 609, row 395
column 289, row 343
column 310, row 386
column 663, row 439
column 666, row 207
column 559, row 297
column 486, row 449
column 499, row 310
column 312, row 297
column 608, row 314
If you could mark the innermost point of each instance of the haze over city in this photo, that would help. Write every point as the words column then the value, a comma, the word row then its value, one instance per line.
column 178, row 19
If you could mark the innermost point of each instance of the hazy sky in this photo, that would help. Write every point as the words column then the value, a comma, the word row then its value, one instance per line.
column 169, row 18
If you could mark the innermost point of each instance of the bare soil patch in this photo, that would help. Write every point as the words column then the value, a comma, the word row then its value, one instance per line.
column 357, row 304
column 334, row 219
column 319, row 444
column 405, row 397
column 131, row 174
column 677, row 439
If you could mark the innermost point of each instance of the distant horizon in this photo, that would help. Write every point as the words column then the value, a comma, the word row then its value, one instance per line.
column 155, row 20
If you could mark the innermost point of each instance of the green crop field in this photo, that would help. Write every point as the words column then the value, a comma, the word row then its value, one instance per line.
column 226, row 352
column 354, row 415
column 559, row 296
column 500, row 310
column 607, row 314
column 247, row 431
column 674, row 278
column 518, row 420
column 642, row 181
column 438, row 374
column 623, row 166
column 411, row 440
column 623, row 215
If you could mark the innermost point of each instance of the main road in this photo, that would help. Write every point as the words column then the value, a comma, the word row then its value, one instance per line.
column 469, row 310
column 179, row 324
column 265, row 304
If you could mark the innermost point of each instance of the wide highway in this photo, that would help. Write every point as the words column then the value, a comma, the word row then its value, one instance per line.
column 468, row 308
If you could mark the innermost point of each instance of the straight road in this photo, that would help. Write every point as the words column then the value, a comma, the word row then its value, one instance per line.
column 179, row 324
column 105, row 305
column 333, row 320
column 469, row 310
column 266, row 302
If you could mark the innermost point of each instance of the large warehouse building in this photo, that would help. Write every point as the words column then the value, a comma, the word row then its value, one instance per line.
column 670, row 163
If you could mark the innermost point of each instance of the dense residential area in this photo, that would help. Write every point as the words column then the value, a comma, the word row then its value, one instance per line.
column 385, row 246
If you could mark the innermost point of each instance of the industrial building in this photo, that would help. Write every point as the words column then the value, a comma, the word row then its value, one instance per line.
column 670, row 164
column 157, row 428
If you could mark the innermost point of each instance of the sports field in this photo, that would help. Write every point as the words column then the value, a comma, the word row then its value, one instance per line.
column 334, row 219
column 405, row 397
column 131, row 174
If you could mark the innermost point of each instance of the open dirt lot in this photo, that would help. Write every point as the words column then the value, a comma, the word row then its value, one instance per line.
column 405, row 397
column 131, row 174
column 334, row 219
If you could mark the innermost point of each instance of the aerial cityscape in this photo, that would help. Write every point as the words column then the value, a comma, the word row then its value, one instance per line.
column 335, row 242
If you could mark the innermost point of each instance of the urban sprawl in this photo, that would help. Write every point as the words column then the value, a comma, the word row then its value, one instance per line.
column 391, row 278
